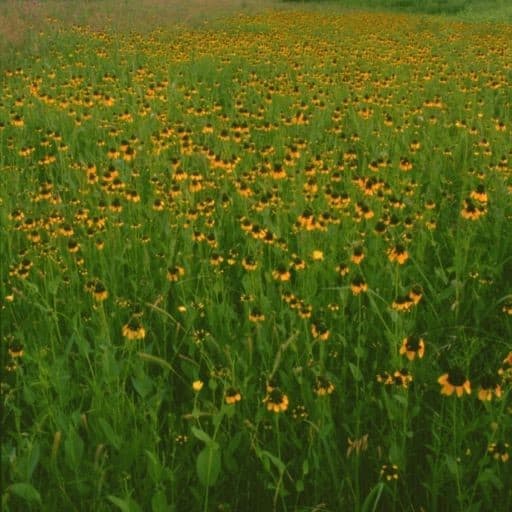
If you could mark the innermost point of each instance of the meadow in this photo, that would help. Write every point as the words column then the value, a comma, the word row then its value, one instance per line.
column 256, row 257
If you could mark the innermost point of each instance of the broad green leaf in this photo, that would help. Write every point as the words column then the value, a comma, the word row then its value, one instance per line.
column 33, row 459
column 119, row 503
column 208, row 465
column 127, row 505
column 159, row 502
column 452, row 465
column 25, row 491
column 143, row 385
column 203, row 436
column 111, row 436
column 278, row 463
column 356, row 372
column 73, row 449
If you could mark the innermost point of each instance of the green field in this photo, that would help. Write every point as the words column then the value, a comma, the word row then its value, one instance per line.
column 255, row 257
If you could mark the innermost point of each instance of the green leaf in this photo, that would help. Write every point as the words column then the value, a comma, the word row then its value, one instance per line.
column 452, row 465
column 356, row 372
column 395, row 454
column 119, row 503
column 203, row 436
column 278, row 463
column 33, row 459
column 372, row 500
column 73, row 449
column 360, row 352
column 111, row 436
column 155, row 468
column 142, row 385
column 401, row 399
column 25, row 491
column 127, row 505
column 159, row 502
column 208, row 465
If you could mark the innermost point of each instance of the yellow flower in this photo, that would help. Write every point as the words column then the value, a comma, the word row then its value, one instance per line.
column 499, row 451
column 281, row 274
column 174, row 273
column 320, row 331
column 454, row 381
column 317, row 255
column 399, row 254
column 197, row 385
column 358, row 286
column 232, row 396
column 323, row 386
column 276, row 401
column 134, row 330
column 412, row 347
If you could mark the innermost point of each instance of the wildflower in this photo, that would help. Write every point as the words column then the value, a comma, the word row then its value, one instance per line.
column 298, row 263
column 271, row 385
column 389, row 472
column 412, row 347
column 197, row 385
column 320, row 331
column 256, row 315
column 479, row 194
column 249, row 263
column 454, row 381
column 402, row 304
column 276, row 401
column 405, row 165
column 158, row 205
column 299, row 413
column 16, row 350
column 357, row 256
column 342, row 269
column 416, row 294
column 181, row 439
column 99, row 292
column 489, row 387
column 499, row 451
column 317, row 255
column 134, row 330
column 73, row 246
column 398, row 253
column 505, row 372
column 358, row 286
column 323, row 386
column 305, row 311
column 232, row 396
column 401, row 378
column 471, row 211
column 216, row 259
column 174, row 273
column 281, row 274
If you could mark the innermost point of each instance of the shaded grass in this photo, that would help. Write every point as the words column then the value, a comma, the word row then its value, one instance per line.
column 499, row 11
